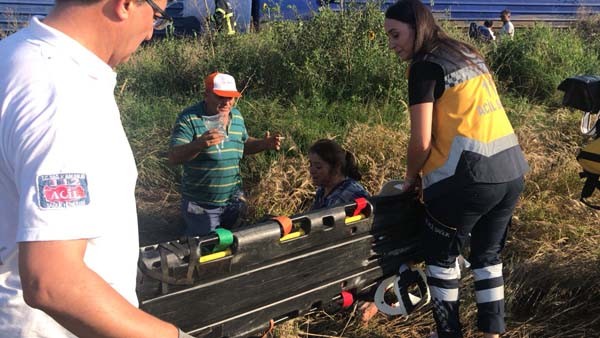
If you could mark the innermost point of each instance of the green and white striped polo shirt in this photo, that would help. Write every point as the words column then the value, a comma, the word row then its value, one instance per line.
column 212, row 177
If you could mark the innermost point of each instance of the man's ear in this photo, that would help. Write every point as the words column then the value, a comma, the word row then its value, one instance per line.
column 122, row 8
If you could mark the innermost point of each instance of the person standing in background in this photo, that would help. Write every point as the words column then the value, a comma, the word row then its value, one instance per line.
column 507, row 29
column 223, row 17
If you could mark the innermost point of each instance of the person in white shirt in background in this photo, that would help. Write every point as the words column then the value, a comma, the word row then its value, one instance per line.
column 508, row 29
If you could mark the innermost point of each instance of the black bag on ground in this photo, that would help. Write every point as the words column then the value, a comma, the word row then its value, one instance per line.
column 582, row 92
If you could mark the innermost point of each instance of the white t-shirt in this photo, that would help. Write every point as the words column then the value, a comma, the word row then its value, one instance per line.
column 508, row 29
column 66, row 168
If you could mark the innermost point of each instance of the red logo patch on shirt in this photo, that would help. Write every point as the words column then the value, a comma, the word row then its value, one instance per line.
column 62, row 191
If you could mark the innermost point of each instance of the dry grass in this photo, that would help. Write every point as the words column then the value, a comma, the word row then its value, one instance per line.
column 380, row 152
column 286, row 188
column 552, row 258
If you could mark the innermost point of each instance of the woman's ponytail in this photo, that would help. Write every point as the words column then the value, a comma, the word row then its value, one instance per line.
column 351, row 169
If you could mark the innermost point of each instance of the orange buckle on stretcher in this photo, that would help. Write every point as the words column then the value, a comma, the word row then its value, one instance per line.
column 285, row 223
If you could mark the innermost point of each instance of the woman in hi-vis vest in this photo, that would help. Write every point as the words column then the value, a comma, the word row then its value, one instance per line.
column 467, row 155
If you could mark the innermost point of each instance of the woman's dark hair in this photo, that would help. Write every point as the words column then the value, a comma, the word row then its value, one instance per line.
column 428, row 34
column 334, row 155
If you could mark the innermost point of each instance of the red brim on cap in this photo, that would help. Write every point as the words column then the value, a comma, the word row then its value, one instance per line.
column 226, row 93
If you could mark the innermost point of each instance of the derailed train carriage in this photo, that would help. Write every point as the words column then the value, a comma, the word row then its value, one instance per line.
column 191, row 16
column 236, row 284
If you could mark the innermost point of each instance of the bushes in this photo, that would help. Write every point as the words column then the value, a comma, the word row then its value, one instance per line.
column 331, row 71
column 344, row 56
column 321, row 76
column 307, row 78
column 341, row 55
column 589, row 31
column 538, row 59
column 333, row 55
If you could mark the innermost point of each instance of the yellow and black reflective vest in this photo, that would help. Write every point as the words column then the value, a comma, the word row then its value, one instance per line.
column 472, row 138
column 223, row 17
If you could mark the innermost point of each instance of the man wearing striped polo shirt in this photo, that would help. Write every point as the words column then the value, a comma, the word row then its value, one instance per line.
column 209, row 139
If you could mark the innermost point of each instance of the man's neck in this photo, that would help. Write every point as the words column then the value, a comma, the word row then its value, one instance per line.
column 82, row 23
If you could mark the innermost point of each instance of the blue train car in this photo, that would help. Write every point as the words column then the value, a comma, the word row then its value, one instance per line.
column 193, row 14
column 16, row 13
column 554, row 12
column 188, row 14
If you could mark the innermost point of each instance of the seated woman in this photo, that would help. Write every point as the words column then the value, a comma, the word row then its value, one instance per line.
column 333, row 170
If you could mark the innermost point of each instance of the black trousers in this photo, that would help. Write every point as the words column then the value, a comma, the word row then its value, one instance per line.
column 481, row 212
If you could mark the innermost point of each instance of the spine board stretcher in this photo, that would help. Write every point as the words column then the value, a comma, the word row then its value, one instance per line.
column 240, row 282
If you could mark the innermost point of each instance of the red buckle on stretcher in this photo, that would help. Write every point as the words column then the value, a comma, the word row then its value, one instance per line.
column 361, row 203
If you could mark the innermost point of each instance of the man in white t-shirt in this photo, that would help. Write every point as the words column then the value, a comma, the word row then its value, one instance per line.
column 507, row 27
column 68, row 224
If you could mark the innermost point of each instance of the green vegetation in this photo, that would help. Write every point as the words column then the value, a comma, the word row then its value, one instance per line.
column 539, row 58
column 333, row 76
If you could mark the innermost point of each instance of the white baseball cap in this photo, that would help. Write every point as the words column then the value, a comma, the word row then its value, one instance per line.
column 222, row 85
